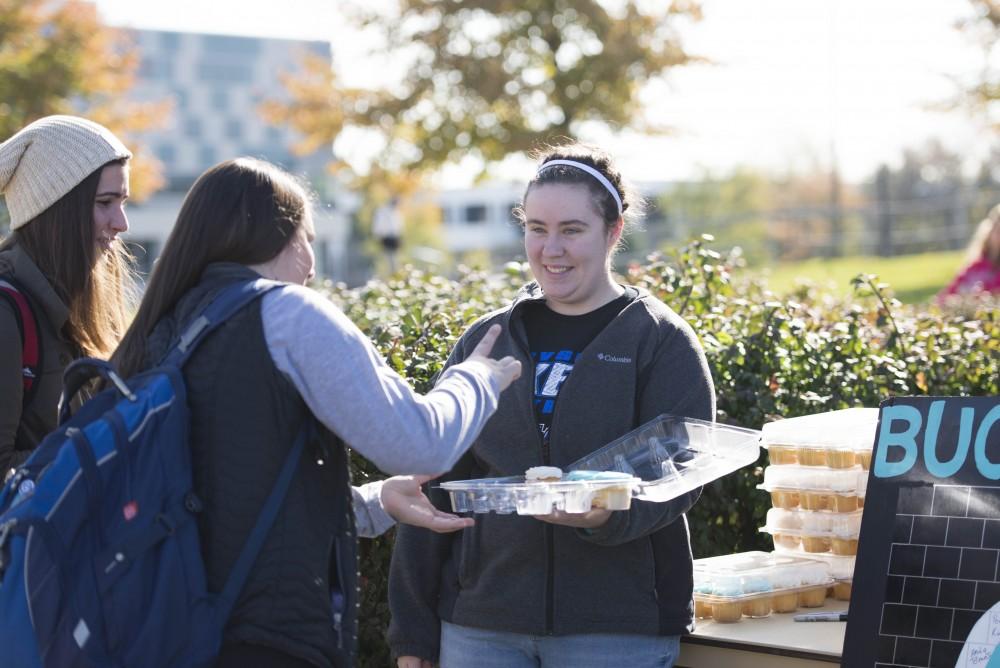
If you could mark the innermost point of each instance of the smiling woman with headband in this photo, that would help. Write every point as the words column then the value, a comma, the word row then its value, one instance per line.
column 583, row 590
column 64, row 274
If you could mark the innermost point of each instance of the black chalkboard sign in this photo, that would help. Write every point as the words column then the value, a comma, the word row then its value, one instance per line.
column 926, row 584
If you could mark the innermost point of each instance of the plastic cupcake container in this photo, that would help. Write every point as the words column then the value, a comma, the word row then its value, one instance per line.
column 835, row 439
column 817, row 532
column 755, row 584
column 815, row 488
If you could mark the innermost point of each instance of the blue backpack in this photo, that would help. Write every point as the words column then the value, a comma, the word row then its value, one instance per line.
column 100, row 559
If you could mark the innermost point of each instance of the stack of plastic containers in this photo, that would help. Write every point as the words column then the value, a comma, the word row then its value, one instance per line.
column 755, row 584
column 817, row 479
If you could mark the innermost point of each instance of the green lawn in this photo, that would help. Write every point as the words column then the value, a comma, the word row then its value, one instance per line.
column 914, row 278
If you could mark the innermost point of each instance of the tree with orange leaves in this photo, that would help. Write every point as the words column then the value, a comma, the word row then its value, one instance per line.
column 493, row 77
column 58, row 58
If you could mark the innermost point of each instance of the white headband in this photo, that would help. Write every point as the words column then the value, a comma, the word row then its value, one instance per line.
column 590, row 170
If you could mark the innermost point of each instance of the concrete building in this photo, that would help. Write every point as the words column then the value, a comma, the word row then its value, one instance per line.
column 216, row 84
column 480, row 218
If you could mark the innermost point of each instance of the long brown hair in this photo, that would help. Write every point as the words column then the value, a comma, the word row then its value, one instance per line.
column 243, row 211
column 979, row 247
column 96, row 286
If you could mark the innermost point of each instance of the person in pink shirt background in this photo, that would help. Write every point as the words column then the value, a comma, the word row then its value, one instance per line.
column 981, row 274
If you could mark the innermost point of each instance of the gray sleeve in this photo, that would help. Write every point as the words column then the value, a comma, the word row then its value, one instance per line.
column 353, row 392
column 370, row 518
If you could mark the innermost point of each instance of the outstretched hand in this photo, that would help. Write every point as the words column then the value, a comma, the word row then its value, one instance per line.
column 405, row 502
column 506, row 369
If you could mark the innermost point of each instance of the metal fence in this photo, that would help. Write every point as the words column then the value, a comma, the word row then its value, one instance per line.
column 880, row 227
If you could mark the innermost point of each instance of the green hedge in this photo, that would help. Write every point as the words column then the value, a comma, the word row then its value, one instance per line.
column 770, row 358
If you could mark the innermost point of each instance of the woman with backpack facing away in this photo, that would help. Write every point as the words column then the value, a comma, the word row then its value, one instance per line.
column 287, row 358
column 65, row 275
column 585, row 590
column 980, row 277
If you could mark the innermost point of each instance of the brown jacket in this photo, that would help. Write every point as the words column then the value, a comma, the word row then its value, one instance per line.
column 21, row 432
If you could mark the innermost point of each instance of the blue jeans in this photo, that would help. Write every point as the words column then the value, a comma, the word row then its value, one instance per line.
column 466, row 647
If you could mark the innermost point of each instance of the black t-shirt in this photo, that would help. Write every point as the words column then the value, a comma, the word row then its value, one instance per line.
column 556, row 341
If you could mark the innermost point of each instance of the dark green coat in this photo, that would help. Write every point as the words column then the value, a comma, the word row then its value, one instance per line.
column 20, row 432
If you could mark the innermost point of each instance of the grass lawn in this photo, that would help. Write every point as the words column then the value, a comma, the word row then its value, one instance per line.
column 914, row 278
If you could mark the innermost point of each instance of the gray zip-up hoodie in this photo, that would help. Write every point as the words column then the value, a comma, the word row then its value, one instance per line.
column 517, row 574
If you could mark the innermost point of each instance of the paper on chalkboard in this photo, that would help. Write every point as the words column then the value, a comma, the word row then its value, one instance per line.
column 979, row 650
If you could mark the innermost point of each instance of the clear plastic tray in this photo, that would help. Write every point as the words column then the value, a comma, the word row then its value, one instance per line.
column 838, row 439
column 814, row 478
column 660, row 460
column 814, row 531
column 820, row 522
column 514, row 494
column 838, row 566
column 674, row 455
column 816, row 488
column 755, row 584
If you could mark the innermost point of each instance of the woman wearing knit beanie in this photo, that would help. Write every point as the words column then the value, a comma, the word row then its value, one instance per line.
column 65, row 181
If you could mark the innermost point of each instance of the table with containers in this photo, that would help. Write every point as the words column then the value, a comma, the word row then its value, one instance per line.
column 745, row 603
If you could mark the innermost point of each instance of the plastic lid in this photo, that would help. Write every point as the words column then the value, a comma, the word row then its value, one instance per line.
column 846, row 482
column 813, row 523
column 674, row 455
column 748, row 574
column 852, row 428
column 839, row 567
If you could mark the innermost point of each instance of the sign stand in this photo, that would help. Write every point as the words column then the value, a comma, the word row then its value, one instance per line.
column 926, row 583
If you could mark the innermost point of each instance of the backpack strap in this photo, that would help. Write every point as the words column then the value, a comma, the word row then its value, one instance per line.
column 27, row 325
column 221, row 308
column 265, row 520
column 226, row 304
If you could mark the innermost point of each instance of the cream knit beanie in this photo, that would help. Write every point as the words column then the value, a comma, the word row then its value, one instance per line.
column 50, row 157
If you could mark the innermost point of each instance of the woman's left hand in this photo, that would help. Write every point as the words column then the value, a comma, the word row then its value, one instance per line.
column 405, row 502
column 588, row 520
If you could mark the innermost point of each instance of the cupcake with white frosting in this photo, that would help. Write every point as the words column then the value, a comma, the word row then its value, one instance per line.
column 543, row 474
